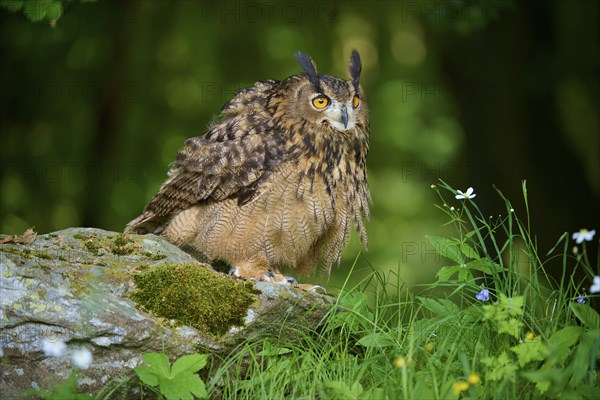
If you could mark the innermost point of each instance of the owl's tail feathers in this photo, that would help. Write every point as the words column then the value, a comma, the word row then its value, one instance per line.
column 148, row 222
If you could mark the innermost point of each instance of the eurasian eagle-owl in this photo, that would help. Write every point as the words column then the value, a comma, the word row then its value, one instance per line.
column 279, row 181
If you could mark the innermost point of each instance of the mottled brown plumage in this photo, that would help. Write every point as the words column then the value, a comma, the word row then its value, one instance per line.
column 279, row 181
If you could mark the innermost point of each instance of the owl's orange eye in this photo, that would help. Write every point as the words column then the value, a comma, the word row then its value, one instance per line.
column 355, row 101
column 320, row 102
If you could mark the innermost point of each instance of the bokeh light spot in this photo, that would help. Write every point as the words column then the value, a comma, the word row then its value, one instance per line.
column 408, row 48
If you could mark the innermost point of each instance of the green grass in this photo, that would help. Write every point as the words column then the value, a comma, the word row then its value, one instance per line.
column 531, row 339
column 527, row 338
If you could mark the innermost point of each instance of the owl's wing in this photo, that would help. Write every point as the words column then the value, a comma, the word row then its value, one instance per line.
column 233, row 160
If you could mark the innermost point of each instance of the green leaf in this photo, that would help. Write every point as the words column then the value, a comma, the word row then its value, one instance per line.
column 489, row 312
column 446, row 247
column 464, row 274
column 530, row 351
column 183, row 386
column 472, row 233
column 542, row 379
column 586, row 314
column 512, row 326
column 195, row 386
column 179, row 382
column 375, row 393
column 356, row 389
column 445, row 273
column 484, row 265
column 353, row 299
column 147, row 375
column 355, row 314
column 377, row 340
column 159, row 362
column 189, row 363
column 512, row 305
column 340, row 390
column 468, row 251
column 586, row 355
column 559, row 344
column 500, row 368
column 504, row 311
column 565, row 337
column 442, row 307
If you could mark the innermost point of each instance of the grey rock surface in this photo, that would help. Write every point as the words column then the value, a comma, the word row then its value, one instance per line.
column 72, row 286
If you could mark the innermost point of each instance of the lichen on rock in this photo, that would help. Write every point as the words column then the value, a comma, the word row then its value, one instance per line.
column 119, row 244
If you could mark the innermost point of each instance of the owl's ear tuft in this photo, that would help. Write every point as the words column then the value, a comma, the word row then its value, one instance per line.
column 355, row 68
column 310, row 68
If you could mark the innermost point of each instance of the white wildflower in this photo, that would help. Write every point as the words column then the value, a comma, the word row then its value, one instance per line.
column 53, row 348
column 469, row 194
column 584, row 234
column 595, row 288
column 82, row 358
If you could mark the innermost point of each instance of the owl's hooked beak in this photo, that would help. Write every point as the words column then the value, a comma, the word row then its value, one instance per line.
column 338, row 118
column 345, row 117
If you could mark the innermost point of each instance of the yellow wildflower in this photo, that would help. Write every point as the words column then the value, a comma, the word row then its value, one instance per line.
column 459, row 387
column 399, row 362
column 474, row 379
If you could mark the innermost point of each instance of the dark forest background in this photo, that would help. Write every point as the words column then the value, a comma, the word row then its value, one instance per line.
column 97, row 97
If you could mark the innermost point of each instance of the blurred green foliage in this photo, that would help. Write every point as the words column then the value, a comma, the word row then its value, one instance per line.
column 39, row 10
column 96, row 103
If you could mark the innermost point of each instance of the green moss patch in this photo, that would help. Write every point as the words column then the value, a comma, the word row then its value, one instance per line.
column 120, row 245
column 194, row 296
column 154, row 256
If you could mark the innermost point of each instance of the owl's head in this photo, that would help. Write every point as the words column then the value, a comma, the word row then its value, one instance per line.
column 331, row 102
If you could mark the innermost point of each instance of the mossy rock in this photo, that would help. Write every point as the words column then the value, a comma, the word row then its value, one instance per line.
column 78, row 286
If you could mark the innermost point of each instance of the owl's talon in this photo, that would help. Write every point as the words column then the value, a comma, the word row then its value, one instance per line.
column 291, row 280
column 271, row 276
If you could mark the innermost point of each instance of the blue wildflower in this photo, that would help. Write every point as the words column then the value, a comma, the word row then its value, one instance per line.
column 581, row 300
column 484, row 295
